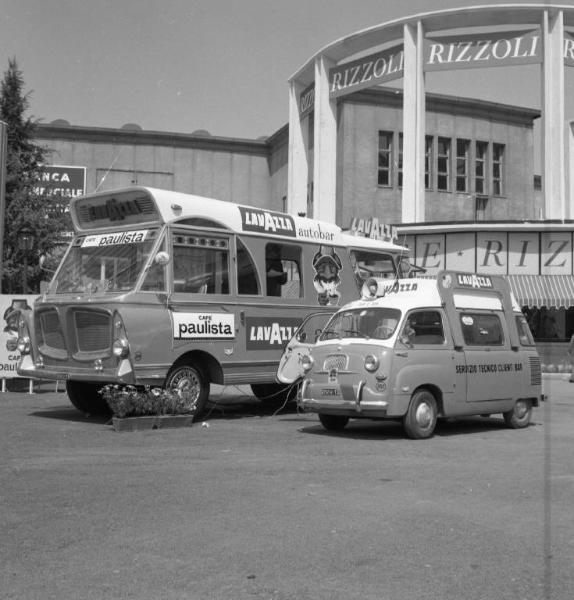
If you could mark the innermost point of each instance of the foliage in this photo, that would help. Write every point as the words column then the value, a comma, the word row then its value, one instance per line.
column 129, row 401
column 24, row 208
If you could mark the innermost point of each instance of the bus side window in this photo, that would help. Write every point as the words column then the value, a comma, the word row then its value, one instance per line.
column 247, row 280
column 282, row 272
column 200, row 264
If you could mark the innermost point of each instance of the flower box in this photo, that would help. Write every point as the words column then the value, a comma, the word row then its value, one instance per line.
column 148, row 422
column 137, row 409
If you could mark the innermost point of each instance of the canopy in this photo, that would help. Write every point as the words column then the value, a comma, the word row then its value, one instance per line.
column 551, row 291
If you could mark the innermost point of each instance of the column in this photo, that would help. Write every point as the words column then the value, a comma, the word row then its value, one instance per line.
column 297, row 164
column 413, row 196
column 325, row 146
column 553, row 153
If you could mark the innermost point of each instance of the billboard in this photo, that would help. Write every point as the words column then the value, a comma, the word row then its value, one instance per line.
column 9, row 355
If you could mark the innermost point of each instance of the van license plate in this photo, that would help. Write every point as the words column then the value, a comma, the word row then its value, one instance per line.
column 330, row 392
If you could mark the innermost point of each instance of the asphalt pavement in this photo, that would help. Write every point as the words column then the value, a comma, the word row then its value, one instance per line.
column 254, row 503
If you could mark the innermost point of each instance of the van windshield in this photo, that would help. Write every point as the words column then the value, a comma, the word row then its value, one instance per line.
column 104, row 263
column 368, row 323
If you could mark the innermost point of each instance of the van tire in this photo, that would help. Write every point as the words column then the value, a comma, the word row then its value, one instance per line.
column 86, row 398
column 419, row 421
column 190, row 378
column 519, row 416
column 333, row 422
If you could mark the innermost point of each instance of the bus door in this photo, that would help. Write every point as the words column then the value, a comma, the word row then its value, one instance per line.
column 200, row 297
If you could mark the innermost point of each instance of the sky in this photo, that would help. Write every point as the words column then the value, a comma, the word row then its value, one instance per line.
column 215, row 65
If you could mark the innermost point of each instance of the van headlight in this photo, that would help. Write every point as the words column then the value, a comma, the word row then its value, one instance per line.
column 371, row 363
column 307, row 363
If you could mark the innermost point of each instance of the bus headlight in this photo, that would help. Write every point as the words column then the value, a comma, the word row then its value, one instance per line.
column 23, row 345
column 121, row 348
column 120, row 345
column 307, row 363
column 371, row 363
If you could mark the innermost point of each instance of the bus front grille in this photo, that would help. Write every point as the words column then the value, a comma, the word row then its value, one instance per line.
column 70, row 331
column 93, row 331
column 50, row 330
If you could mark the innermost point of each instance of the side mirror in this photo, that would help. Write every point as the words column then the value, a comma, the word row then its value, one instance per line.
column 161, row 258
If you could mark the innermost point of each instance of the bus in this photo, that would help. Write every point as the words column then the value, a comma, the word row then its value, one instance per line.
column 167, row 289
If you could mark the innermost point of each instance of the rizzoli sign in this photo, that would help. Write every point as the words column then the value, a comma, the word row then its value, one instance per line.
column 439, row 53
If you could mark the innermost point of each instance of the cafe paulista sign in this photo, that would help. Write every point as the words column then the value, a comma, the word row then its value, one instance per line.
column 494, row 252
column 495, row 49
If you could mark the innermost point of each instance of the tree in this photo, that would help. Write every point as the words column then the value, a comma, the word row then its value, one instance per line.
column 24, row 208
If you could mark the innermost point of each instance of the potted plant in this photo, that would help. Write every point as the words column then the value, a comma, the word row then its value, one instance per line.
column 135, row 408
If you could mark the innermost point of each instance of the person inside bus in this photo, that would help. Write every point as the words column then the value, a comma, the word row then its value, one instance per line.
column 275, row 274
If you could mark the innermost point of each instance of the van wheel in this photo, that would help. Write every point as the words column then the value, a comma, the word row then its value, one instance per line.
column 192, row 384
column 519, row 416
column 86, row 398
column 274, row 393
column 333, row 422
column 419, row 421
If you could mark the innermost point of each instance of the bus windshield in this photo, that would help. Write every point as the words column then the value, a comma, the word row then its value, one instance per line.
column 104, row 263
column 367, row 323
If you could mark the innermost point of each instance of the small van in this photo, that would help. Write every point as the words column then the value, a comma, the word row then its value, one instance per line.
column 417, row 350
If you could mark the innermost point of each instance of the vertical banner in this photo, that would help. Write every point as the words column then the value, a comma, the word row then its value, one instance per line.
column 9, row 355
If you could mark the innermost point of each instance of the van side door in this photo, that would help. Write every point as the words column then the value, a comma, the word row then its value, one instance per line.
column 491, row 364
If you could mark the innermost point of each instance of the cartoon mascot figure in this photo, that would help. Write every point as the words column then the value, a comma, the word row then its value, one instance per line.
column 327, row 280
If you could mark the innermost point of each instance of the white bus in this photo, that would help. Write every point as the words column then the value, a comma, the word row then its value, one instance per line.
column 162, row 288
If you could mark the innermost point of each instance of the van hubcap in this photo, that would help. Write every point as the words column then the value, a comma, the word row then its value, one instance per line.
column 423, row 415
column 521, row 408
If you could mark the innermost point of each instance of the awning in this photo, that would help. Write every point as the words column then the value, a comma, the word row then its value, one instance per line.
column 551, row 291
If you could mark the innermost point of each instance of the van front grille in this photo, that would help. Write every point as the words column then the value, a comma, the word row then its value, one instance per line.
column 335, row 361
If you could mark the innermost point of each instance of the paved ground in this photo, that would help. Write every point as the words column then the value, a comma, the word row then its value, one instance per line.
column 256, row 505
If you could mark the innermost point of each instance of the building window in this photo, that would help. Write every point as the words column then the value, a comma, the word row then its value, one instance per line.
column 480, row 167
column 498, row 169
column 462, row 147
column 385, row 158
column 443, row 165
column 400, row 162
column 428, row 161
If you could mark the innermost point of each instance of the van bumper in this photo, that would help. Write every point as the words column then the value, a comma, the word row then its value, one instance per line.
column 350, row 401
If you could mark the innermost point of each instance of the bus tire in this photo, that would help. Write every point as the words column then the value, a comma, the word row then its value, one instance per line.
column 274, row 394
column 419, row 421
column 86, row 398
column 333, row 422
column 519, row 416
column 190, row 379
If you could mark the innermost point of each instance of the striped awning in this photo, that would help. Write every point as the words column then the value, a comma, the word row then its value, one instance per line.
column 551, row 291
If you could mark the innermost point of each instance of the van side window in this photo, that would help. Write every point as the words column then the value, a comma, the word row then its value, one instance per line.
column 200, row 264
column 424, row 327
column 368, row 263
column 481, row 329
column 247, row 279
column 282, row 270
column 524, row 333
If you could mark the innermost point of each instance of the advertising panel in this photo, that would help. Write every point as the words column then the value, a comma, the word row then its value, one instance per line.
column 9, row 355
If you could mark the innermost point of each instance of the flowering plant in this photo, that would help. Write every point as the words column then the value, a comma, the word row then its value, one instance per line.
column 130, row 401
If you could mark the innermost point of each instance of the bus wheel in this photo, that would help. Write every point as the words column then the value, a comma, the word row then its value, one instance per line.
column 333, row 422
column 519, row 415
column 86, row 398
column 420, row 420
column 190, row 382
column 274, row 393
